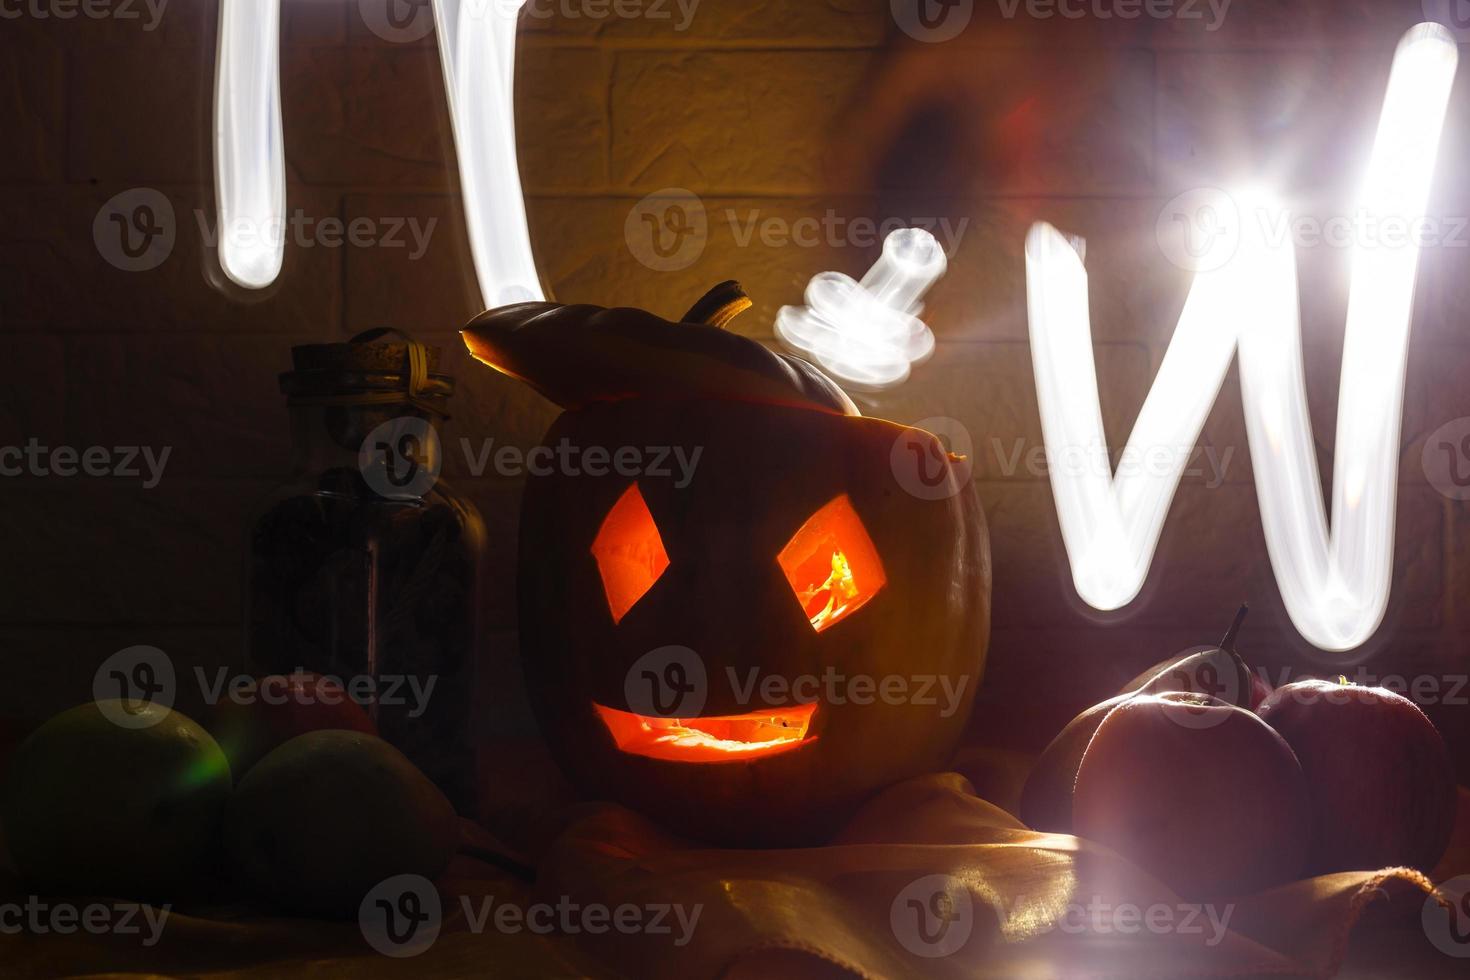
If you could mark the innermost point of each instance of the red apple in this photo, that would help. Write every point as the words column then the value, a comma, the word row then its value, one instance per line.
column 1379, row 775
column 1202, row 794
column 1046, row 802
column 271, row 711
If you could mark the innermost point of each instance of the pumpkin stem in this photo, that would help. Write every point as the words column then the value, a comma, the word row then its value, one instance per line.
column 719, row 306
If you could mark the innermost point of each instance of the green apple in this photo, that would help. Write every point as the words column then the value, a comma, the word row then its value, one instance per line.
column 116, row 798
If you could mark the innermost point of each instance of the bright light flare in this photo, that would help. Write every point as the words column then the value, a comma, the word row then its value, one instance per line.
column 868, row 333
column 250, row 168
column 477, row 51
column 1335, row 586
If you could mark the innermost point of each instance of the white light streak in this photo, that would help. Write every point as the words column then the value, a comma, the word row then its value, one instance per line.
column 249, row 162
column 477, row 49
column 1335, row 586
column 477, row 41
column 868, row 333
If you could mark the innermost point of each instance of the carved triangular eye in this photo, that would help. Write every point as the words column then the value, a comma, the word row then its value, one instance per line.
column 832, row 565
column 629, row 551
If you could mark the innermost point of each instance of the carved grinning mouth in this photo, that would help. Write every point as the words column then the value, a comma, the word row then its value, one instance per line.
column 727, row 738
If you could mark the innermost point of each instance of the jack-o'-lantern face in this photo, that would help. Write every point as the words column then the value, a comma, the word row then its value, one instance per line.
column 833, row 569
column 751, row 614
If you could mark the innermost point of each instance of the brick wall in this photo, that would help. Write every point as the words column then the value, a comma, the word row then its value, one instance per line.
column 770, row 111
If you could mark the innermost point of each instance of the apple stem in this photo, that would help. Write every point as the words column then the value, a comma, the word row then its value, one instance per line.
column 1228, row 644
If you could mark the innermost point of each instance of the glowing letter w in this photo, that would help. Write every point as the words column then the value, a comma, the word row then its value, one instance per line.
column 1335, row 585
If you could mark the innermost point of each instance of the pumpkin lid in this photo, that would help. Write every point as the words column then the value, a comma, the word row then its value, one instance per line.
column 574, row 355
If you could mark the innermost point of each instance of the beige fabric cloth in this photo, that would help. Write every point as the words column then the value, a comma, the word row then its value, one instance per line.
column 849, row 909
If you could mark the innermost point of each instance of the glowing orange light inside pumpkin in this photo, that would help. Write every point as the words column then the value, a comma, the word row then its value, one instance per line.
column 832, row 564
column 728, row 738
column 630, row 554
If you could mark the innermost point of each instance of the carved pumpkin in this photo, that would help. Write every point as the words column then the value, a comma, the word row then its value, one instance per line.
column 711, row 645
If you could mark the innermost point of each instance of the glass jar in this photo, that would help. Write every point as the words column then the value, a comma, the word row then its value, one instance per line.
column 365, row 566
